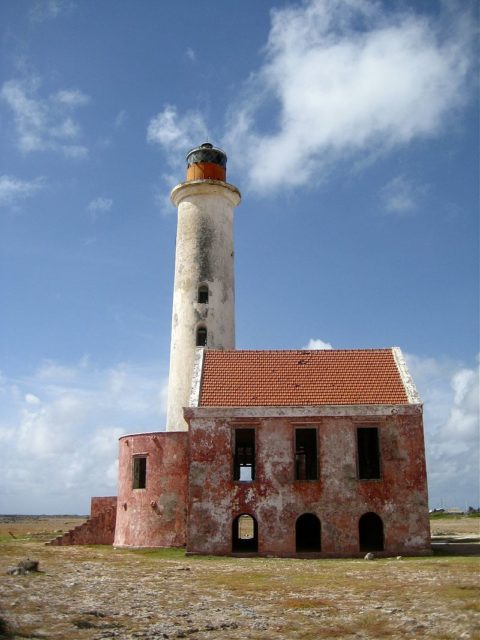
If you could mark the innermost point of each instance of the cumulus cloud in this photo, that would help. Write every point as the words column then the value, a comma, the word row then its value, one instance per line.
column 98, row 206
column 341, row 80
column 59, row 430
column 316, row 343
column 345, row 78
column 176, row 133
column 13, row 190
column 401, row 196
column 45, row 123
column 450, row 393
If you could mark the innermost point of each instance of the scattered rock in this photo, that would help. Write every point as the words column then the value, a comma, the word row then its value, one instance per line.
column 83, row 624
column 24, row 567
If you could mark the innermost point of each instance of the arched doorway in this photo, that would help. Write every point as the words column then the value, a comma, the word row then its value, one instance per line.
column 244, row 534
column 308, row 534
column 370, row 532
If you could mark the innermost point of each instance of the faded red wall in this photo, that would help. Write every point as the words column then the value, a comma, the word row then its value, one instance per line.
column 338, row 498
column 154, row 516
column 98, row 529
column 99, row 505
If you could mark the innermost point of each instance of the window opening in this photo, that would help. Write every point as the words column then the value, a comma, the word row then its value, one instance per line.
column 370, row 532
column 244, row 534
column 202, row 294
column 139, row 473
column 201, row 337
column 244, row 455
column 306, row 463
column 368, row 453
column 308, row 533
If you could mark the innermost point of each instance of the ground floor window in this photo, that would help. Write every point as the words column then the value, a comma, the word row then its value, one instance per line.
column 308, row 534
column 370, row 532
column 244, row 534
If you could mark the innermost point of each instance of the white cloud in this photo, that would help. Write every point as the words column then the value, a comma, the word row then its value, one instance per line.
column 190, row 54
column 45, row 123
column 71, row 97
column 343, row 79
column 13, row 190
column 99, row 205
column 120, row 119
column 450, row 393
column 401, row 196
column 59, row 451
column 50, row 370
column 316, row 343
column 176, row 133
column 30, row 398
column 43, row 10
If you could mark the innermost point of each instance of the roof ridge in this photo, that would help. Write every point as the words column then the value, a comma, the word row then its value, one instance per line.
column 367, row 349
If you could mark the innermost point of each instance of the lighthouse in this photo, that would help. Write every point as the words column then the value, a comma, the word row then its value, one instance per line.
column 203, row 312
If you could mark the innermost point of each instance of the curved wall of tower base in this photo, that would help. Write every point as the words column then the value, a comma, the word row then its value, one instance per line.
column 152, row 490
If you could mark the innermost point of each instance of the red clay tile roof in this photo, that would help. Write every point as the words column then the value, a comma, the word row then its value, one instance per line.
column 296, row 378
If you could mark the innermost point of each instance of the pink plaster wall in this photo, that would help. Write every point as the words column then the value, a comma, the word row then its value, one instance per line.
column 338, row 498
column 99, row 505
column 98, row 529
column 154, row 516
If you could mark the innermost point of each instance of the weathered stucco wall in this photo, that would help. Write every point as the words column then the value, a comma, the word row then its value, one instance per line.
column 204, row 256
column 153, row 516
column 99, row 505
column 98, row 529
column 338, row 498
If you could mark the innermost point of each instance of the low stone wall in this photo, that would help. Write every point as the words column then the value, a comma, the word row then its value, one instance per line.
column 98, row 529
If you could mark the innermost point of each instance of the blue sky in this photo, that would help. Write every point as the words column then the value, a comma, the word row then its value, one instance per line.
column 351, row 130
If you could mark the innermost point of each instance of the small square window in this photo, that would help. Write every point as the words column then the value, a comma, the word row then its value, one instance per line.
column 203, row 294
column 201, row 340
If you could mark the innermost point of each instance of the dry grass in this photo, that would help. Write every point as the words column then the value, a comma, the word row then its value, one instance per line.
column 93, row 593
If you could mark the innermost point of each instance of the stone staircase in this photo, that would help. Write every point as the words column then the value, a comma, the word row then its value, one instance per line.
column 98, row 529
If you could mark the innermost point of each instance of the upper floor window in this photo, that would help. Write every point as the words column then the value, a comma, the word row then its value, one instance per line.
column 139, row 472
column 368, row 453
column 244, row 455
column 201, row 339
column 202, row 294
column 306, row 462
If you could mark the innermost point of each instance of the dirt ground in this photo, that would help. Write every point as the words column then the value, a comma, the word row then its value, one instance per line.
column 455, row 526
column 98, row 592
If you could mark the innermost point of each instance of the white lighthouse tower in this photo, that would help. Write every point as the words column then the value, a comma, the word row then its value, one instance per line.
column 203, row 312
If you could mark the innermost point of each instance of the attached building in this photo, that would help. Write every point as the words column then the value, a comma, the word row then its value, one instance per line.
column 309, row 451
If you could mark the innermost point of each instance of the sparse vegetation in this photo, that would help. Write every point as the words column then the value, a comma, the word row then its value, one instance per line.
column 94, row 593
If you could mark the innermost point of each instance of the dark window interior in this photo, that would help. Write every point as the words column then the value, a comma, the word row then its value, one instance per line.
column 203, row 294
column 201, row 337
column 244, row 455
column 368, row 453
column 139, row 473
column 306, row 464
